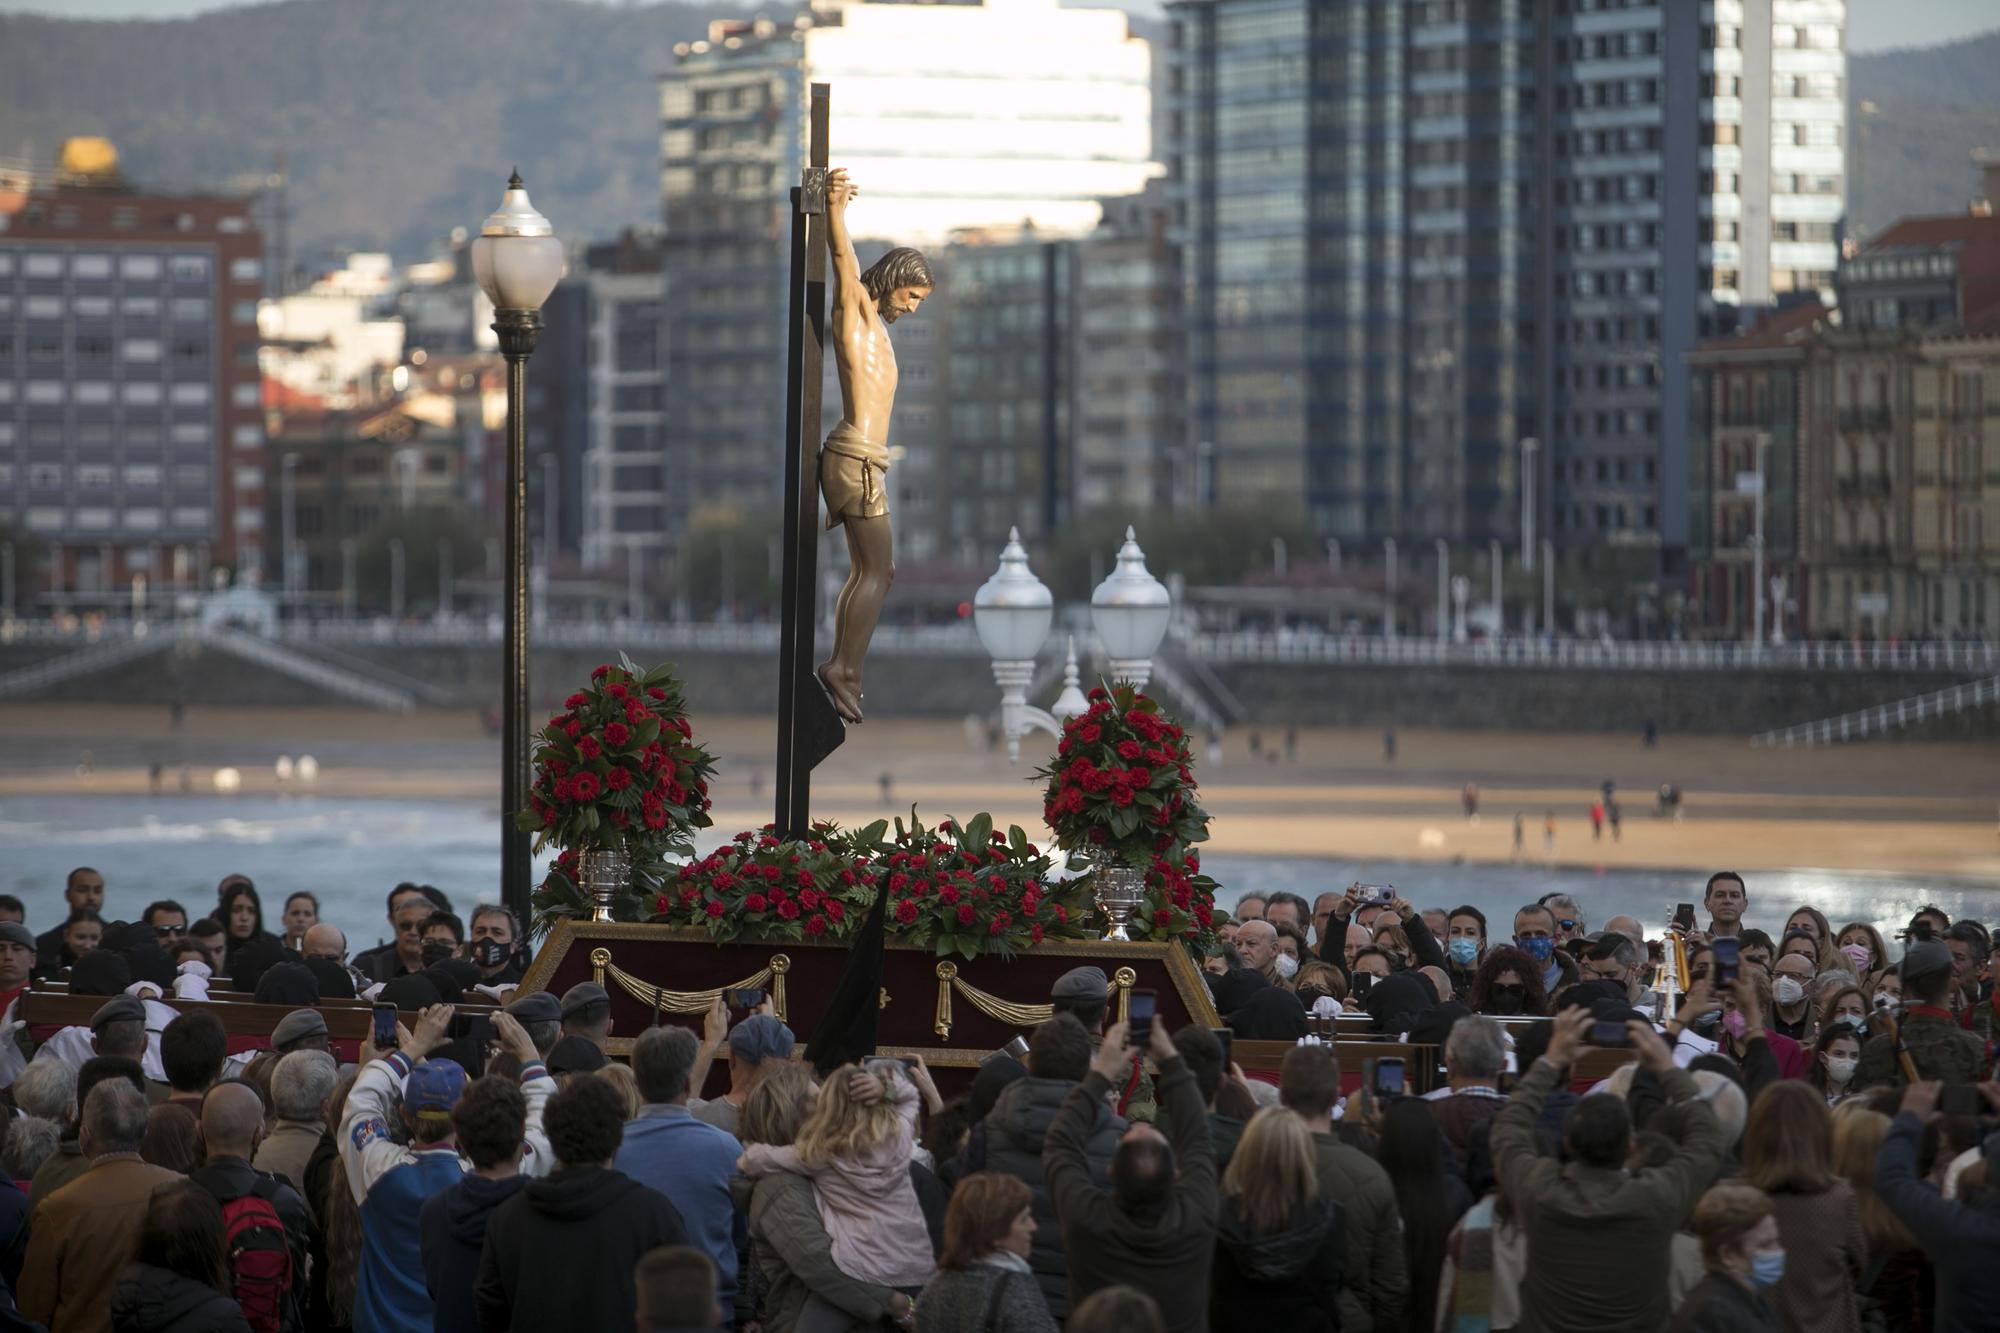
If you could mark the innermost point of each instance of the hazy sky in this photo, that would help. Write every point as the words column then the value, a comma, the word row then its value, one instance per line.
column 1873, row 25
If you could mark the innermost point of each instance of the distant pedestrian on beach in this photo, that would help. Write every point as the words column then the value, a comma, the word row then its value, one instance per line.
column 1256, row 743
column 1214, row 748
column 1469, row 798
column 888, row 782
column 1597, row 821
column 1652, row 734
column 1611, row 813
column 1389, row 745
column 1291, row 745
column 1520, row 830
column 1549, row 833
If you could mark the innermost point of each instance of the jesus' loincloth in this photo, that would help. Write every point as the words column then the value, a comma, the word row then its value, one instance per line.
column 851, row 470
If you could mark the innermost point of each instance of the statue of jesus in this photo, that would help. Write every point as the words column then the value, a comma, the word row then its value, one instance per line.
column 855, row 457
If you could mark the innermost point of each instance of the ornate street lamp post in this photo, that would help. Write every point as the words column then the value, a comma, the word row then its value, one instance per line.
column 518, row 262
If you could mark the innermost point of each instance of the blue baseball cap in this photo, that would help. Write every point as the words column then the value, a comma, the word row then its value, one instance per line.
column 433, row 1089
column 761, row 1037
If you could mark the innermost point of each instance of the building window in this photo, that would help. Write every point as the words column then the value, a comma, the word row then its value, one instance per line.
column 188, row 268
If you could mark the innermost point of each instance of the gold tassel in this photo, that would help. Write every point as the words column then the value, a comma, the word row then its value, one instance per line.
column 780, row 964
column 947, row 972
column 1122, row 981
column 599, row 960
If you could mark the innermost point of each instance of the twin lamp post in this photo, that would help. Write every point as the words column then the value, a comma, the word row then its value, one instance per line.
column 1012, row 612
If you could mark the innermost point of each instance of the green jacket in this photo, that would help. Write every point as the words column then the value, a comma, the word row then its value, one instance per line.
column 1939, row 1048
column 1593, row 1231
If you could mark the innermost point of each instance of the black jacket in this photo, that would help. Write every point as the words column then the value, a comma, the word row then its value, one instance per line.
column 454, row 1232
column 1165, row 1251
column 13, row 1232
column 230, row 1178
column 1290, row 1280
column 1017, row 1129
column 1720, row 1304
column 561, row 1252
column 1961, row 1239
column 146, row 1299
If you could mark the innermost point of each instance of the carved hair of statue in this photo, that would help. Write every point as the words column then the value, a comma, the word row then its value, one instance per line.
column 901, row 267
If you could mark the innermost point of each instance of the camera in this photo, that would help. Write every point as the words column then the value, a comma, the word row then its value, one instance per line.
column 1609, row 1032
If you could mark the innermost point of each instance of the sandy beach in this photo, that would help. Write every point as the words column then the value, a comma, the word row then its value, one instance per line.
column 1905, row 807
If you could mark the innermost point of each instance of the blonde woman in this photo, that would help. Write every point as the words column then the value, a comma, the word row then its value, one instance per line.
column 856, row 1147
column 1896, row 1285
column 1277, row 1250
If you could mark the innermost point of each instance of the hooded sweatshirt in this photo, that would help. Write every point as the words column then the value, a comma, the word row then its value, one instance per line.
column 453, row 1227
column 1288, row 1279
column 146, row 1299
column 561, row 1252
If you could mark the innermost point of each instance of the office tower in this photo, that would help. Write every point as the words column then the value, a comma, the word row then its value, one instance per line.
column 991, row 115
column 131, row 430
column 1420, row 232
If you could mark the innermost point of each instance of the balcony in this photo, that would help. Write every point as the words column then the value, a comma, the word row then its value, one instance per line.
column 1865, row 486
column 1854, row 419
column 1870, row 551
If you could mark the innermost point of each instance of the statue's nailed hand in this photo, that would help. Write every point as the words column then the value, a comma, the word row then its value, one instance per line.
column 839, row 189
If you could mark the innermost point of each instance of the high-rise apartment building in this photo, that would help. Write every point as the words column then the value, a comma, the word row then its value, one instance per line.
column 131, row 425
column 1419, row 232
column 985, row 115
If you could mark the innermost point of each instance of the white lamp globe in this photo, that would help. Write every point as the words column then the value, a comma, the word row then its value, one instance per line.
column 517, row 258
column 1131, row 608
column 1013, row 609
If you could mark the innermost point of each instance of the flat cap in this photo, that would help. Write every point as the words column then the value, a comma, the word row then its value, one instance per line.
column 1926, row 958
column 761, row 1037
column 295, row 1027
column 118, row 1009
column 16, row 933
column 582, row 995
column 1081, row 983
column 539, row 1007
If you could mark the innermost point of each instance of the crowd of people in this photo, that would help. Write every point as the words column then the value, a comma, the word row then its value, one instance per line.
column 1795, row 1133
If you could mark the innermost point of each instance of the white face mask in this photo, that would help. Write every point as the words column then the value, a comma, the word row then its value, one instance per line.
column 1288, row 966
column 1840, row 1070
column 1789, row 991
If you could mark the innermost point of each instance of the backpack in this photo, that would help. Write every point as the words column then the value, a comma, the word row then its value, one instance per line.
column 260, row 1259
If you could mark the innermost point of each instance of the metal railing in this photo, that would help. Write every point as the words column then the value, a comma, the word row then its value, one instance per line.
column 1884, row 718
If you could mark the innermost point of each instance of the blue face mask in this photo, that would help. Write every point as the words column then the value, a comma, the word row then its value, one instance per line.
column 1767, row 1267
column 1541, row 949
column 1464, row 951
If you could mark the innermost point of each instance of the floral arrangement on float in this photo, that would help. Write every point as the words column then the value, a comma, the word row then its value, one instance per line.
column 965, row 889
column 620, row 785
column 1120, row 794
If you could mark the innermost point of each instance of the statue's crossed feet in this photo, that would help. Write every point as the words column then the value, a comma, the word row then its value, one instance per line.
column 841, row 688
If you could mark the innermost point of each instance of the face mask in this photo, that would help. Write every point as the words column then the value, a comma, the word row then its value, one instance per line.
column 489, row 952
column 1839, row 1070
column 1506, row 999
column 436, row 951
column 1464, row 951
column 1541, row 949
column 1859, row 1022
column 1732, row 1023
column 1789, row 991
column 1767, row 1267
column 1856, row 954
column 1288, row 966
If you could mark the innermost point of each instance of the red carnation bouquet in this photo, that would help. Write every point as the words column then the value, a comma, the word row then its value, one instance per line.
column 972, row 890
column 617, row 768
column 1121, row 790
column 778, row 889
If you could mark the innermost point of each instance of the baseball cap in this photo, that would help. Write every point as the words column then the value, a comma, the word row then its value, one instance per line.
column 761, row 1037
column 433, row 1089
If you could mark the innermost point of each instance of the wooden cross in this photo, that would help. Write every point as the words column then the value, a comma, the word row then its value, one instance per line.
column 808, row 727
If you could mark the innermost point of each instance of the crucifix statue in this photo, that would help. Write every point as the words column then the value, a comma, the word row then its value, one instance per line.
column 854, row 461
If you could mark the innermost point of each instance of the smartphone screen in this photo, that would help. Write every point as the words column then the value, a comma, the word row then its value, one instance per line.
column 385, row 1026
column 1145, row 1004
column 1389, row 1076
column 1727, row 958
column 1227, row 1036
column 1606, row 1033
column 1684, row 916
